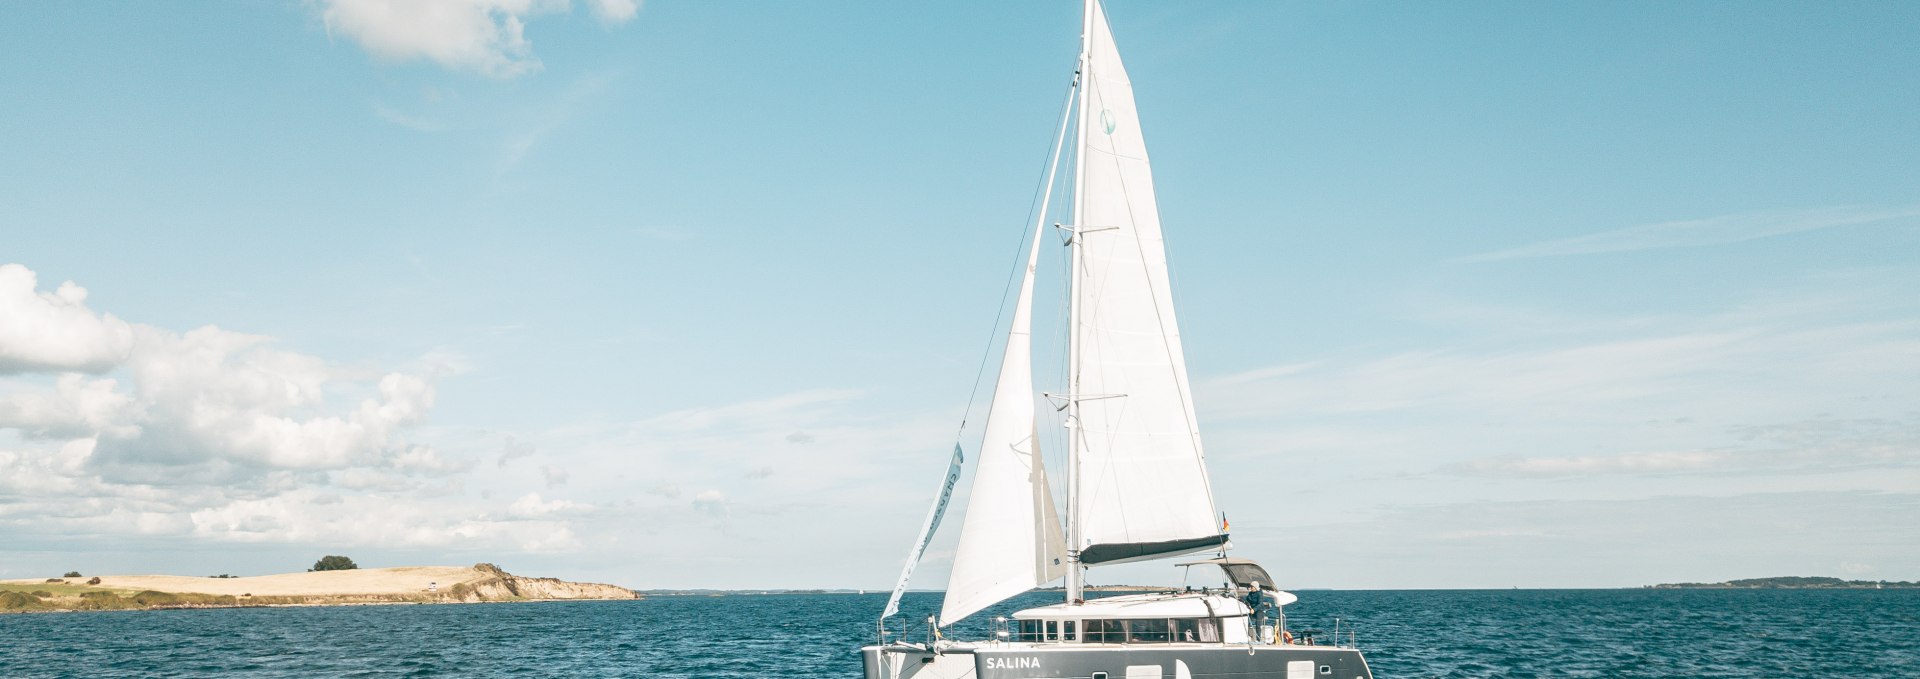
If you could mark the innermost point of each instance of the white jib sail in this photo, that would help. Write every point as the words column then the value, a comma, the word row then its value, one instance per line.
column 1143, row 480
column 1010, row 541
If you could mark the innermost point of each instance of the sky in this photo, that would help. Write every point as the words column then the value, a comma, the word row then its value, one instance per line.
column 693, row 294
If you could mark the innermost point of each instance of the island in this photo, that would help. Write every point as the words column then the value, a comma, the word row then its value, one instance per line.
column 1792, row 582
column 482, row 582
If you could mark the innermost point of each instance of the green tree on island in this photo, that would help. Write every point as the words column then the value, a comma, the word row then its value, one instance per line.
column 333, row 563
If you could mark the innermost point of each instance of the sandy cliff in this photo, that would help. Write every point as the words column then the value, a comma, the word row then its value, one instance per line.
column 495, row 584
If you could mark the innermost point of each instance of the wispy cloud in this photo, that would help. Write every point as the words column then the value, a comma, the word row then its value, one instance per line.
column 560, row 112
column 407, row 120
column 1748, row 393
column 1699, row 232
column 1605, row 543
column 1817, row 445
column 1597, row 464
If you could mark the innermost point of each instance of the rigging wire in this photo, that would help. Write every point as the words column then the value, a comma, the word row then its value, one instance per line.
column 1033, row 205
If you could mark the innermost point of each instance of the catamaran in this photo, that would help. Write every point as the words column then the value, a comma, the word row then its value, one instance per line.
column 1136, row 478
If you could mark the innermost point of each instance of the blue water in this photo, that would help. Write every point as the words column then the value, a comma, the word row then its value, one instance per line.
column 1520, row 633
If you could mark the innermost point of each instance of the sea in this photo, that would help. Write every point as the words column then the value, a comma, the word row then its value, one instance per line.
column 1405, row 634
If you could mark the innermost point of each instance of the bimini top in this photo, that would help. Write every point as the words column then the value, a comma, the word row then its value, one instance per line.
column 1141, row 606
column 1243, row 573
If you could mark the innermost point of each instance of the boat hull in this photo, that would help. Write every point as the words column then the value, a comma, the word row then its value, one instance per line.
column 1118, row 661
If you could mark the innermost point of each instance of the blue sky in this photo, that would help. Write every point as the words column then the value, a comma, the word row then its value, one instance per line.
column 1474, row 295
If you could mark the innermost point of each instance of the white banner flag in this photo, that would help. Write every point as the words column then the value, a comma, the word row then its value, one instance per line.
column 926, row 532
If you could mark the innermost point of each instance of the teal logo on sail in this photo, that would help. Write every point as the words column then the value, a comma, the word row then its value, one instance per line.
column 1106, row 120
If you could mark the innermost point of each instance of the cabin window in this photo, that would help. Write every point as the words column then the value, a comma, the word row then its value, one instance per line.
column 1146, row 631
column 1097, row 632
column 1069, row 631
column 1030, row 630
column 1206, row 630
column 1151, row 631
column 1053, row 630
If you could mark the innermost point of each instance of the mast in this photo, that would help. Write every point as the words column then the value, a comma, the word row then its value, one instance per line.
column 1074, row 570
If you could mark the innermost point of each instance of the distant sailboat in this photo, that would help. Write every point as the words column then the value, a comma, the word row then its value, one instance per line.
column 1136, row 477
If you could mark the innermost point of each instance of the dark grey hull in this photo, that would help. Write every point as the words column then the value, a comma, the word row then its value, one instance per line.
column 1116, row 661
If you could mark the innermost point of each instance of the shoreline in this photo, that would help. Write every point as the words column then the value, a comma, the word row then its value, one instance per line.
column 341, row 604
column 481, row 583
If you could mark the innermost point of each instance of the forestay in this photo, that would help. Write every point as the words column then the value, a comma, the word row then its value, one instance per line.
column 1143, row 489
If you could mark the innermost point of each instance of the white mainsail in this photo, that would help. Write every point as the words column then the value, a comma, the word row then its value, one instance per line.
column 1010, row 541
column 1143, row 490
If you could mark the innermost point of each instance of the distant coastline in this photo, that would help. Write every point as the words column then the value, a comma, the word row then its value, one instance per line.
column 369, row 586
column 1792, row 582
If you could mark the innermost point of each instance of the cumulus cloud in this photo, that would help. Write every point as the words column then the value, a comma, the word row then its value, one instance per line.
column 55, row 331
column 221, row 435
column 483, row 36
column 207, row 405
column 212, row 405
column 77, row 407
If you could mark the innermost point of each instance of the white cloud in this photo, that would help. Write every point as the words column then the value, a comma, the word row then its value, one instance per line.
column 311, row 517
column 220, row 435
column 482, row 36
column 485, row 36
column 615, row 11
column 79, row 407
column 214, row 405
column 531, row 506
column 712, row 502
column 1699, row 232
column 55, row 331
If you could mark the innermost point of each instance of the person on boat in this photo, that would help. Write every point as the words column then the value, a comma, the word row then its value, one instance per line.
column 1266, row 612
